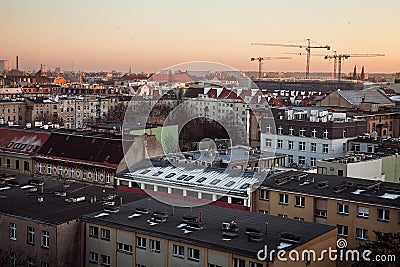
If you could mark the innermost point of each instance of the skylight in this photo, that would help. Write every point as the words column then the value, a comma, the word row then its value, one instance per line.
column 202, row 179
column 145, row 171
column 189, row 178
column 157, row 173
column 244, row 186
column 214, row 182
column 181, row 177
column 10, row 144
column 170, row 175
column 229, row 184
column 390, row 196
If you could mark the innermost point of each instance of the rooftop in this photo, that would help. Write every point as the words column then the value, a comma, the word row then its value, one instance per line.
column 20, row 197
column 352, row 158
column 331, row 186
column 203, row 226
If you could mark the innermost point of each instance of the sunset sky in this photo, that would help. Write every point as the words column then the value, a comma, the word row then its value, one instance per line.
column 95, row 35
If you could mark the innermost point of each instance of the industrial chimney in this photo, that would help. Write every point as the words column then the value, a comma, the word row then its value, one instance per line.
column 17, row 63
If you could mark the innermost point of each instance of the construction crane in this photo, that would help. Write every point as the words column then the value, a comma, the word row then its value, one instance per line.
column 307, row 47
column 260, row 59
column 338, row 60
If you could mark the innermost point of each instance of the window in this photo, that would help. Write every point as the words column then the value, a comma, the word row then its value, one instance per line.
column 302, row 160
column 290, row 144
column 342, row 208
column 13, row 260
column 355, row 147
column 125, row 248
column 268, row 142
column 283, row 199
column 291, row 130
column 280, row 130
column 282, row 215
column 342, row 230
column 321, row 213
column 383, row 215
column 108, row 178
column 45, row 239
column 31, row 262
column 298, row 218
column 105, row 234
column 299, row 201
column 140, row 242
column 40, row 167
column 313, row 161
column 72, row 173
column 363, row 212
column 59, row 170
column 26, row 165
column 31, row 235
column 325, row 148
column 13, row 231
column 361, row 234
column 140, row 265
column 255, row 264
column 313, row 147
column 340, row 172
column 370, row 149
column 314, row 133
column 213, row 265
column 279, row 143
column 302, row 132
column 263, row 211
column 48, row 169
column 193, row 254
column 264, row 194
column 155, row 245
column 326, row 132
column 105, row 260
column 268, row 128
column 178, row 251
column 239, row 262
column 290, row 159
column 93, row 257
column 302, row 146
column 17, row 164
column 96, row 176
column 344, row 147
column 94, row 231
column 84, row 175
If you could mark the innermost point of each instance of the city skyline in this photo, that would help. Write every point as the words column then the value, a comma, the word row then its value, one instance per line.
column 94, row 36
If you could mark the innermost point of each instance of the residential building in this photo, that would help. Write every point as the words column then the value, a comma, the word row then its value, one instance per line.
column 151, row 233
column 357, row 207
column 87, row 159
column 306, row 135
column 4, row 65
column 42, row 110
column 356, row 165
column 17, row 148
column 13, row 111
column 40, row 220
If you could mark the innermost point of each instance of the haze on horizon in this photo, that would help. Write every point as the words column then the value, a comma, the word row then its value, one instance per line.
column 150, row 35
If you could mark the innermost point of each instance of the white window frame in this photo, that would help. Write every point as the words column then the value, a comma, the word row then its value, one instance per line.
column 283, row 199
column 325, row 148
column 342, row 229
column 155, row 245
column 290, row 145
column 343, row 208
column 362, row 212
column 13, row 231
column 313, row 147
column 178, row 251
column 105, row 260
column 191, row 254
column 361, row 234
column 30, row 235
column 45, row 239
column 299, row 201
column 264, row 194
column 141, row 242
column 93, row 257
column 385, row 215
column 105, row 234
column 302, row 146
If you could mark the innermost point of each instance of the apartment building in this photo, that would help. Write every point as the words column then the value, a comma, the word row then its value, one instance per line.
column 151, row 233
column 13, row 111
column 85, row 158
column 357, row 207
column 17, row 148
column 42, row 110
column 306, row 135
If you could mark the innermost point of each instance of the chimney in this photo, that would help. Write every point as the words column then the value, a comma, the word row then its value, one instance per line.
column 355, row 73
column 362, row 73
column 266, row 227
column 17, row 63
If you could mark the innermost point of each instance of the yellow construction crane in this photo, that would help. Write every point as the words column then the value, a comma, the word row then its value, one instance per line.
column 260, row 59
column 307, row 47
column 338, row 60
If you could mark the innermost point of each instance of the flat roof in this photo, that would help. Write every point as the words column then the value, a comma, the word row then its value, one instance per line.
column 279, row 230
column 18, row 201
column 195, row 176
column 331, row 186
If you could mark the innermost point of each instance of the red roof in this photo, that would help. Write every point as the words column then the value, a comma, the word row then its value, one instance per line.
column 22, row 141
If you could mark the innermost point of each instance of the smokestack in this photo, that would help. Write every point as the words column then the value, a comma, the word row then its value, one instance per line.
column 17, row 63
column 362, row 73
column 355, row 73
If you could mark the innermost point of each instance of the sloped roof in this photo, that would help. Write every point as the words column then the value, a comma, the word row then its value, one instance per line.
column 355, row 97
column 21, row 141
column 102, row 151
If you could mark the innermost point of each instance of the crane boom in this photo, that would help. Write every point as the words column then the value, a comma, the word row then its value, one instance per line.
column 260, row 59
column 307, row 47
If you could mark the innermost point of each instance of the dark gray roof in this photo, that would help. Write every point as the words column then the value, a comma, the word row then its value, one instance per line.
column 354, row 189
column 354, row 97
column 211, row 235
column 19, row 202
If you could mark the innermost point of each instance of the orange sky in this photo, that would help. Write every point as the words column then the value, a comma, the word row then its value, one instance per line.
column 151, row 35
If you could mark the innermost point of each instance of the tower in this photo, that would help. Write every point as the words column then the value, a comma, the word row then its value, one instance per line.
column 362, row 76
column 355, row 73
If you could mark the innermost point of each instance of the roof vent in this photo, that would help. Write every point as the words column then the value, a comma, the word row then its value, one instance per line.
column 339, row 188
column 110, row 208
column 75, row 199
column 229, row 230
column 253, row 234
column 290, row 238
column 283, row 180
column 142, row 210
column 159, row 217
column 323, row 184
column 193, row 222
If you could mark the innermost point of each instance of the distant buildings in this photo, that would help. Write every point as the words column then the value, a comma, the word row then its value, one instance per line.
column 4, row 65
